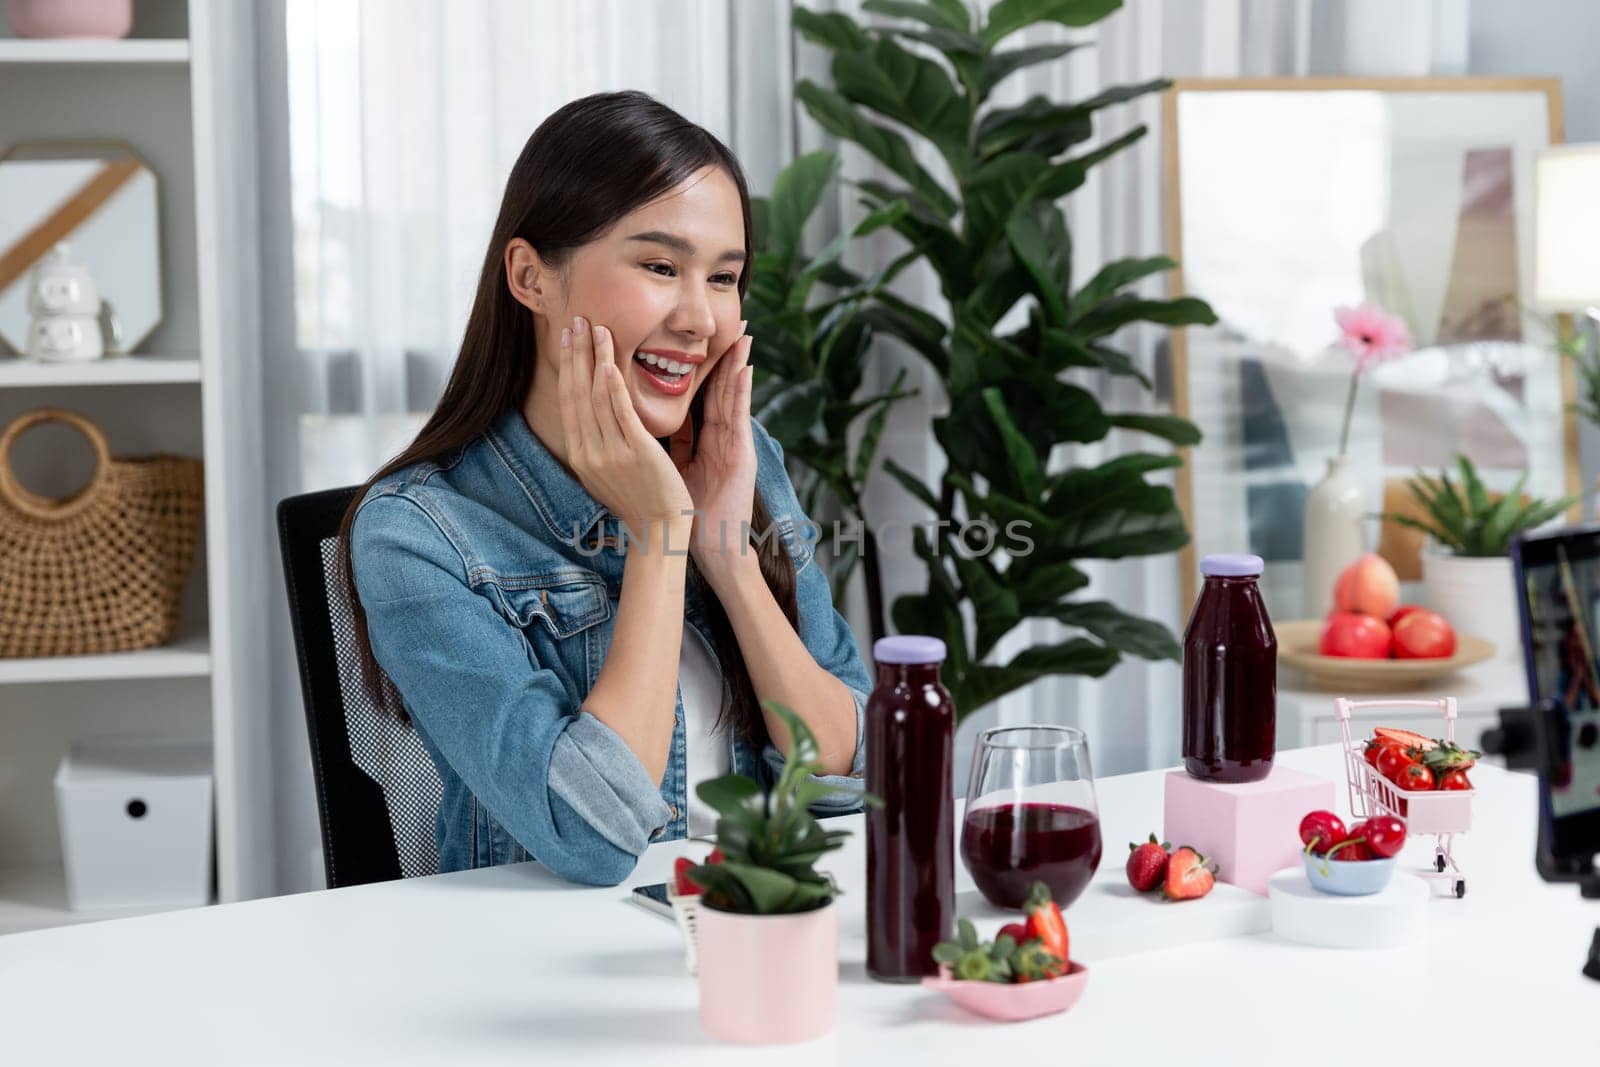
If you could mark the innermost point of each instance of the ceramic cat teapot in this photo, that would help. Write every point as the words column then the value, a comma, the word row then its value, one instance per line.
column 67, row 311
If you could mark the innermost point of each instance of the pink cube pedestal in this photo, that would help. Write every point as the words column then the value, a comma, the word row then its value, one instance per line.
column 1252, row 830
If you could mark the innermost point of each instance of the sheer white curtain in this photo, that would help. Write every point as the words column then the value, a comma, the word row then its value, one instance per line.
column 385, row 162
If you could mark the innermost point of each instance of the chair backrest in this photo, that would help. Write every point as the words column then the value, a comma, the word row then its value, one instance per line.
column 377, row 789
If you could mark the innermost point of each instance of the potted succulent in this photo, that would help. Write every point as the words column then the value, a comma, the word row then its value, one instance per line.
column 1466, row 570
column 767, row 930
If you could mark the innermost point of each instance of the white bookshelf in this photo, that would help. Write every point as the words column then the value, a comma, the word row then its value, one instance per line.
column 94, row 51
column 186, row 656
column 181, row 92
column 120, row 370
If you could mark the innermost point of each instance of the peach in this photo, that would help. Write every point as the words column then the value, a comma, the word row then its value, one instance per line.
column 1368, row 587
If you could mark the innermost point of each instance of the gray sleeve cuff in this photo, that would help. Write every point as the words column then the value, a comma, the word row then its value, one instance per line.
column 846, row 796
column 598, row 775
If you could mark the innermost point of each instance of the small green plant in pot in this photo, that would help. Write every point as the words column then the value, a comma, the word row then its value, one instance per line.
column 767, row 930
column 1467, row 574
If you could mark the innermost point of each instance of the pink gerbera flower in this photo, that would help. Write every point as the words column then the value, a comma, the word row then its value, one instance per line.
column 1371, row 335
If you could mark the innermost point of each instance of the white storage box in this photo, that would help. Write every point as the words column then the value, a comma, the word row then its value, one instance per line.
column 136, row 823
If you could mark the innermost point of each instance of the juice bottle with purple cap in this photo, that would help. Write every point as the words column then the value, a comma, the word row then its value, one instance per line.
column 1230, row 675
column 911, row 860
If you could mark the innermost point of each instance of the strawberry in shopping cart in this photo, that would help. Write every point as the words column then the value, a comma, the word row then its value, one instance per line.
column 1448, row 758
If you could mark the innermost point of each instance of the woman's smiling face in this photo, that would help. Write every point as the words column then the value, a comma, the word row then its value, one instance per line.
column 665, row 281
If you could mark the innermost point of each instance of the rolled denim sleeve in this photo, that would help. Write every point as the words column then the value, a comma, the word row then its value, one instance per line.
column 558, row 779
column 823, row 630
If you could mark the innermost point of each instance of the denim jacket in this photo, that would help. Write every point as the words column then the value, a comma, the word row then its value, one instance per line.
column 490, row 582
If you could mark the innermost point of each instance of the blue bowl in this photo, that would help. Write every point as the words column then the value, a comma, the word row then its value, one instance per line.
column 1350, row 878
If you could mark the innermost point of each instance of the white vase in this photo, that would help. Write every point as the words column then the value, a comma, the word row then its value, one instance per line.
column 1477, row 595
column 1334, row 534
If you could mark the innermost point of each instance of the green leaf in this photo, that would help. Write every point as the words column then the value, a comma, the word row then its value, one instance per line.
column 874, row 431
column 1114, row 314
column 1123, row 632
column 1024, row 462
column 1179, row 431
column 831, row 30
column 995, row 607
column 912, row 483
column 1477, row 495
column 796, row 193
column 794, row 411
column 771, row 892
column 1112, row 277
column 923, row 333
column 998, row 66
column 1037, row 125
column 957, row 45
column 1009, row 16
column 1040, row 240
column 836, row 115
column 911, row 90
column 727, row 794
column 950, row 17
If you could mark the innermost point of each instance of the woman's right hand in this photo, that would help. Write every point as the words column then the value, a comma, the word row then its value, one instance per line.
column 608, row 448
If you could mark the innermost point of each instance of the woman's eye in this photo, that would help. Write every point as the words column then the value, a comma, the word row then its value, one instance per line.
column 666, row 270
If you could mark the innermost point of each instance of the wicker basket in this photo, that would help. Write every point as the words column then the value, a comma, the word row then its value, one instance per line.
column 103, row 570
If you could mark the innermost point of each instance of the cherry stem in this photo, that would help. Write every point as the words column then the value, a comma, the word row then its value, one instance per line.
column 1336, row 848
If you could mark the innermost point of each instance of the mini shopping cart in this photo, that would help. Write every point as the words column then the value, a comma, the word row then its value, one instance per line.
column 1442, row 813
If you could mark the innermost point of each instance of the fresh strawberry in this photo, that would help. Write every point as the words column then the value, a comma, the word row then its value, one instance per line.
column 1189, row 875
column 1017, row 932
column 1147, row 863
column 1447, row 757
column 683, row 885
column 716, row 856
column 1403, row 738
column 1045, row 923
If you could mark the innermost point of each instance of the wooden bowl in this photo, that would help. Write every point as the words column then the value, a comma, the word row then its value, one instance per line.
column 1297, row 646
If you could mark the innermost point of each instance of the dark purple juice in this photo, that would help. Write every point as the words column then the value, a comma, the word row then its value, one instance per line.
column 1007, row 849
column 1230, row 676
column 911, row 861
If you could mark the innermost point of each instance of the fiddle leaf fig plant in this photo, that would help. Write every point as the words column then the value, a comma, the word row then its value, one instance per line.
column 770, row 842
column 995, row 239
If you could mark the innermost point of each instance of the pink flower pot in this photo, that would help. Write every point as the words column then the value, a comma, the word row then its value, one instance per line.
column 767, row 979
column 70, row 18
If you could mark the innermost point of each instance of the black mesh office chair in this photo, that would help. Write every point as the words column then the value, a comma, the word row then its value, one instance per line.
column 377, row 790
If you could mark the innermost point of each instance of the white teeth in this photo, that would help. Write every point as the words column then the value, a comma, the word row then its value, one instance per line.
column 668, row 365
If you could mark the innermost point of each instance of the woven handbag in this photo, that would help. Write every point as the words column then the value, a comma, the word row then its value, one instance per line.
column 103, row 570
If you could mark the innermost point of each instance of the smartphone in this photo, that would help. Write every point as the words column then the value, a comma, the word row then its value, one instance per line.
column 1558, row 582
column 653, row 898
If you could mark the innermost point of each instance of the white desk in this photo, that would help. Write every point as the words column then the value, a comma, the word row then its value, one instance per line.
column 508, row 965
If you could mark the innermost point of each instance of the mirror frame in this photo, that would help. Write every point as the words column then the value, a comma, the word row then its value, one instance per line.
column 43, row 150
column 1550, row 87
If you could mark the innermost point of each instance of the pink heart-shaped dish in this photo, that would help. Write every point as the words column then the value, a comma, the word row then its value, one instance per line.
column 1013, row 1002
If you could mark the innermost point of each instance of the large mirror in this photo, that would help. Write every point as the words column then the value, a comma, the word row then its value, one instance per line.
column 100, row 201
column 1286, row 199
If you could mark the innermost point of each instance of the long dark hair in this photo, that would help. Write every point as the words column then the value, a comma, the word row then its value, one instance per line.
column 562, row 193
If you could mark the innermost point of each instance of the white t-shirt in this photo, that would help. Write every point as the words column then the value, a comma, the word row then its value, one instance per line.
column 706, row 754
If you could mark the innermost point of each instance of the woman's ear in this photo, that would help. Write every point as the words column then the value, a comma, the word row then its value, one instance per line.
column 532, row 281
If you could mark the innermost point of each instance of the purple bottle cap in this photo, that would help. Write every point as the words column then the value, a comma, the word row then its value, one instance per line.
column 1231, row 565
column 908, row 648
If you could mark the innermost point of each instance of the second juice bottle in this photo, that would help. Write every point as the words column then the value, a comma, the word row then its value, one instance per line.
column 911, row 862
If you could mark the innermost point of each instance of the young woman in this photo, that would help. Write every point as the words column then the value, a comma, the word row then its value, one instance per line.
column 589, row 569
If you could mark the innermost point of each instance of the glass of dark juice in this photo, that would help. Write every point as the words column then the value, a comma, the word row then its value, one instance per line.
column 1031, row 814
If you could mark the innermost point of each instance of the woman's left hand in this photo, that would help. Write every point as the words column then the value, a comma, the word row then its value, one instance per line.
column 721, row 475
